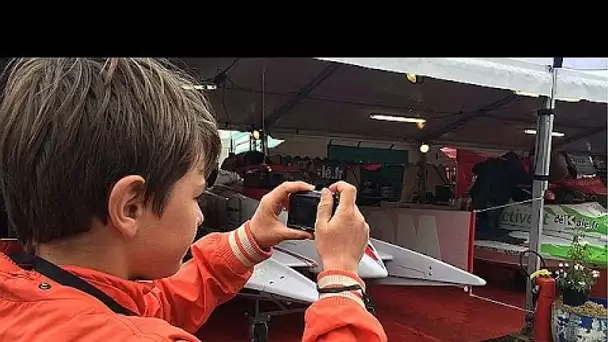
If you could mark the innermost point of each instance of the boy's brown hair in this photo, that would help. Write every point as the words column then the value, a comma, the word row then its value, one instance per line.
column 72, row 127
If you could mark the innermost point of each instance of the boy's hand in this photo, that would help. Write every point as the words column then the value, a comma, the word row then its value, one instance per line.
column 341, row 239
column 265, row 225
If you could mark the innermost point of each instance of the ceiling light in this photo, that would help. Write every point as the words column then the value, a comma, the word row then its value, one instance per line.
column 384, row 117
column 207, row 86
column 424, row 148
column 533, row 131
column 411, row 77
column 523, row 93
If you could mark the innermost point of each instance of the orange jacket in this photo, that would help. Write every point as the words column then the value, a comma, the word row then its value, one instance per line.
column 34, row 308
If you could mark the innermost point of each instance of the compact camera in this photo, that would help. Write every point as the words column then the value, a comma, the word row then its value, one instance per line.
column 302, row 212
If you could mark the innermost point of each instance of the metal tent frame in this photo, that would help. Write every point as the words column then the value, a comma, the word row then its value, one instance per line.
column 544, row 129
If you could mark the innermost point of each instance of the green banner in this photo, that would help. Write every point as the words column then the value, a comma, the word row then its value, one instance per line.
column 560, row 224
column 366, row 155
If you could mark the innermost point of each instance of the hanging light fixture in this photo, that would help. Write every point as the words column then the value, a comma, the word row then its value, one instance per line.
column 424, row 148
column 395, row 118
column 256, row 134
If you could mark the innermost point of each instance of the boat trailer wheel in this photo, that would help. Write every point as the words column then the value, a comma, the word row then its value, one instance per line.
column 259, row 332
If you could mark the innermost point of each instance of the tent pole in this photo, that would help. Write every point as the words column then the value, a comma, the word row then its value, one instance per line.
column 544, row 128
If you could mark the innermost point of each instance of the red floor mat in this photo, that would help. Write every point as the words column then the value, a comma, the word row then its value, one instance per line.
column 424, row 314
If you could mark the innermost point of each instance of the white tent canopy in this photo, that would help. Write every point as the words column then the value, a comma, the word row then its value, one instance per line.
column 581, row 64
column 528, row 75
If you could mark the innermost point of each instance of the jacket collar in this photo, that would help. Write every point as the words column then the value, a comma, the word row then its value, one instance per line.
column 128, row 293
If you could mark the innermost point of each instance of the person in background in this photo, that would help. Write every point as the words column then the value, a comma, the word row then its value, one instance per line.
column 101, row 165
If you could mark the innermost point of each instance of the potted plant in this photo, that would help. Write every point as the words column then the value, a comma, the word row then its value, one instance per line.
column 576, row 317
column 574, row 279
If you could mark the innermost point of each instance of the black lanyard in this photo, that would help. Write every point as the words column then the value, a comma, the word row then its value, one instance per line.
column 63, row 277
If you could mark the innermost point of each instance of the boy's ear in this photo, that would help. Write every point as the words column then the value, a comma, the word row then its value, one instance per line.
column 126, row 204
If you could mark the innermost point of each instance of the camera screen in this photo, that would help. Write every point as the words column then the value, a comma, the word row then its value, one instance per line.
column 302, row 211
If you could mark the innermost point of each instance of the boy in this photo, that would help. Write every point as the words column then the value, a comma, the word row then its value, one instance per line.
column 101, row 164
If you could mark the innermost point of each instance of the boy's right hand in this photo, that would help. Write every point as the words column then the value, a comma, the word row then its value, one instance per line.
column 341, row 240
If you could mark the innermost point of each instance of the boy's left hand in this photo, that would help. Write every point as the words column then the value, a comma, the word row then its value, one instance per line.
column 266, row 227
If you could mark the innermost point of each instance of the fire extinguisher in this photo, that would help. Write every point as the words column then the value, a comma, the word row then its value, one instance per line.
column 545, row 295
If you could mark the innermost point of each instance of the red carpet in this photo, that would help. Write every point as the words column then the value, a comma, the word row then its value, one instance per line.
column 407, row 314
